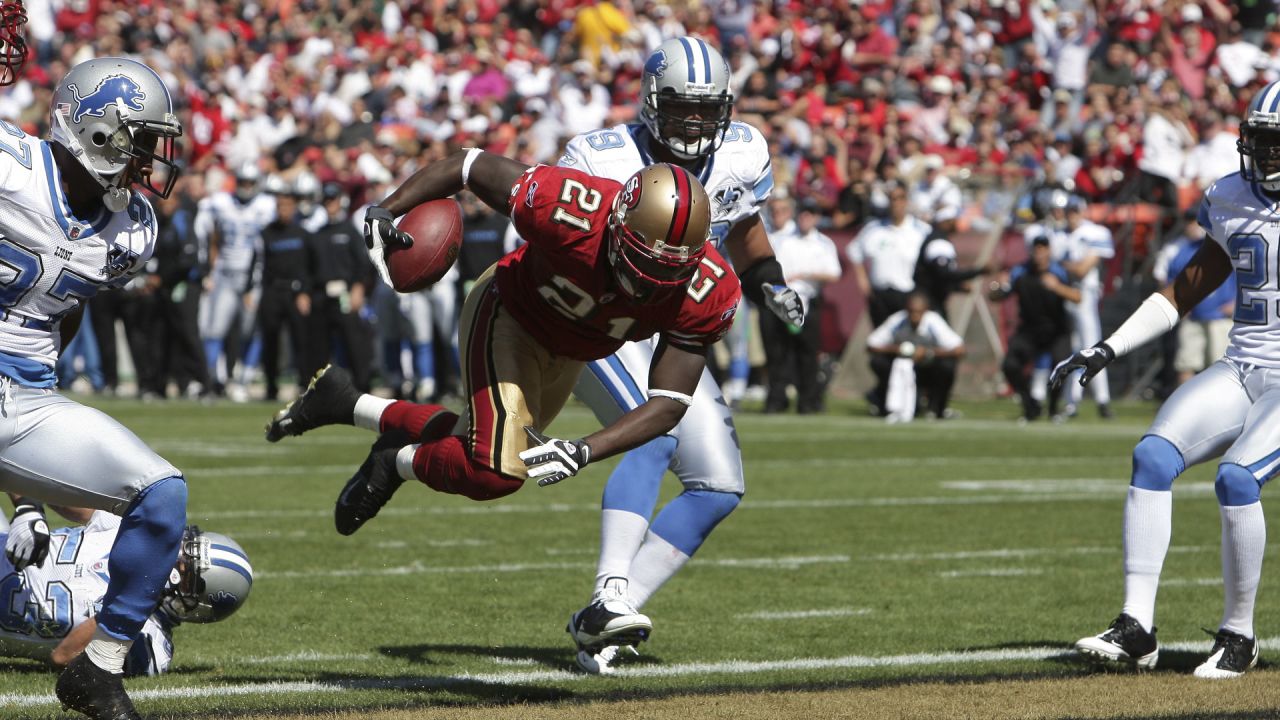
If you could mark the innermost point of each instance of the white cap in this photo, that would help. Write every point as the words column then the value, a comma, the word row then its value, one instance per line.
column 941, row 84
column 933, row 162
column 1191, row 13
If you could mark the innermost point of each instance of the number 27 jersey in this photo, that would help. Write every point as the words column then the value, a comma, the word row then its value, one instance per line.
column 1241, row 219
column 560, row 288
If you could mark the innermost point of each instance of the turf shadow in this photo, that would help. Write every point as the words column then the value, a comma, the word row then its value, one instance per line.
column 550, row 658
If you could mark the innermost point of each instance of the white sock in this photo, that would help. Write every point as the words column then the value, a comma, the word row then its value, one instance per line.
column 1148, row 523
column 1039, row 384
column 404, row 462
column 656, row 562
column 1101, row 388
column 1244, row 539
column 621, row 533
column 107, row 652
column 368, row 414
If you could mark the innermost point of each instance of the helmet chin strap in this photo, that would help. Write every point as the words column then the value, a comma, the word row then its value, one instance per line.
column 115, row 198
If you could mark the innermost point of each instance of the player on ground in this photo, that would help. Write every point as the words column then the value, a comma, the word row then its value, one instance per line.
column 685, row 120
column 50, row 607
column 1232, row 409
column 71, row 224
column 605, row 263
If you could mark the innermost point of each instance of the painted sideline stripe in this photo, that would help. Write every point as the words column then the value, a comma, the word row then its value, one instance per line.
column 731, row 667
column 804, row 614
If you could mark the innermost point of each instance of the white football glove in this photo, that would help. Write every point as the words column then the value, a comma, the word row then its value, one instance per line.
column 784, row 302
column 551, row 460
column 28, row 542
column 1093, row 360
column 380, row 233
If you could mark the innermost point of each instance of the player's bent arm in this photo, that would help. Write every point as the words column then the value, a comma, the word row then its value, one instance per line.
column 1159, row 313
column 73, row 644
column 675, row 371
column 488, row 175
column 749, row 248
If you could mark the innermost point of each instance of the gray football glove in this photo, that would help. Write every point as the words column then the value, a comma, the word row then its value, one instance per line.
column 784, row 302
column 381, row 233
column 1093, row 360
column 28, row 542
column 550, row 460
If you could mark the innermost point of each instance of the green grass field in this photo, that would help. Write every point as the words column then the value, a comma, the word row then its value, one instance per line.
column 864, row 556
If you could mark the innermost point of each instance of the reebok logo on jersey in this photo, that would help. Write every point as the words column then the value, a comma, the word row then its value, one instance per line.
column 113, row 88
column 533, row 190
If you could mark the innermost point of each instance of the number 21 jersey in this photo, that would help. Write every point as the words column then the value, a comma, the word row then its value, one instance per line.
column 560, row 288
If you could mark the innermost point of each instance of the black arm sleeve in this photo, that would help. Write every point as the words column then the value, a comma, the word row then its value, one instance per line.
column 763, row 271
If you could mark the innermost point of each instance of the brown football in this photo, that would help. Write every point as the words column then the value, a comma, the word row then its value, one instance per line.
column 436, row 227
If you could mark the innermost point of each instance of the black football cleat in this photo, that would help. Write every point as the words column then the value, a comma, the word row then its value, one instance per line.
column 371, row 487
column 88, row 689
column 1124, row 642
column 610, row 619
column 330, row 399
column 1232, row 655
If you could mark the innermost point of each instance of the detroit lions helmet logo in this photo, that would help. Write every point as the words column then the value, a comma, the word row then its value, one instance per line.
column 112, row 87
column 657, row 64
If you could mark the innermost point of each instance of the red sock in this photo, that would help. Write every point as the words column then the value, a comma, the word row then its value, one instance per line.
column 445, row 466
column 424, row 422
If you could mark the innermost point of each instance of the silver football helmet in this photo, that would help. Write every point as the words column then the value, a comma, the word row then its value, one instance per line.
column 1260, row 139
column 685, row 100
column 211, row 580
column 116, row 117
column 248, row 178
column 306, row 187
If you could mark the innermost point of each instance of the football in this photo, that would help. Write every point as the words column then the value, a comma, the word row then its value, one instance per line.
column 436, row 228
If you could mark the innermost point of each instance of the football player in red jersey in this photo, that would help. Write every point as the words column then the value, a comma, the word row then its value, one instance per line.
column 605, row 263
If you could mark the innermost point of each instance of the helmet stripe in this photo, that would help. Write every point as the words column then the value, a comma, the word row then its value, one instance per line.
column 706, row 60
column 227, row 548
column 680, row 220
column 688, row 58
column 1268, row 98
column 1275, row 96
column 234, row 566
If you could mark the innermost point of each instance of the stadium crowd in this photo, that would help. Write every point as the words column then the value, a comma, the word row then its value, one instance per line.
column 338, row 100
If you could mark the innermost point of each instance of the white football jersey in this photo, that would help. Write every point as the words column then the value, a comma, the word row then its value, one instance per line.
column 51, row 260
column 238, row 225
column 1090, row 239
column 40, row 605
column 738, row 177
column 1246, row 224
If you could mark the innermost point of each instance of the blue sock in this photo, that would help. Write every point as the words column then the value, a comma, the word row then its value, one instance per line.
column 424, row 361
column 212, row 349
column 687, row 520
column 634, row 484
column 1156, row 464
column 253, row 355
column 145, row 550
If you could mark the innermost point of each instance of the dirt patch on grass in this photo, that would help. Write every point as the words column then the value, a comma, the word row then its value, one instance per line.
column 1157, row 695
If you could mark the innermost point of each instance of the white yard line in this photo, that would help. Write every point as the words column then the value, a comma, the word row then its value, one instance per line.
column 418, row 568
column 1191, row 582
column 991, row 572
column 728, row 667
column 805, row 614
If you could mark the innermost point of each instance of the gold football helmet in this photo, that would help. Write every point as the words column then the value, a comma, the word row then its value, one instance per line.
column 658, row 230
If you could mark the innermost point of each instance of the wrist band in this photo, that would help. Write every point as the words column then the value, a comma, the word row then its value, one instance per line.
column 472, row 154
column 1153, row 318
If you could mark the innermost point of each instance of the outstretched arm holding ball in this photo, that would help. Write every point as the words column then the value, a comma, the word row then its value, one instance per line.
column 487, row 175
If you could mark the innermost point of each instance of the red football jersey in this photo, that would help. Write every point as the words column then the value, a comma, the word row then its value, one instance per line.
column 560, row 288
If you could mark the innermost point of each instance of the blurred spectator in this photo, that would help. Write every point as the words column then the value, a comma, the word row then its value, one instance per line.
column 179, row 272
column 913, row 349
column 341, row 278
column 1166, row 138
column 1042, row 289
column 891, row 249
column 286, row 291
column 1088, row 246
column 809, row 260
column 938, row 272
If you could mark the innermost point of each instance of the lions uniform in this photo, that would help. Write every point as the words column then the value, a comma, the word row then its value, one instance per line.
column 1088, row 239
column 738, row 178
column 50, row 262
column 40, row 605
column 237, row 225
